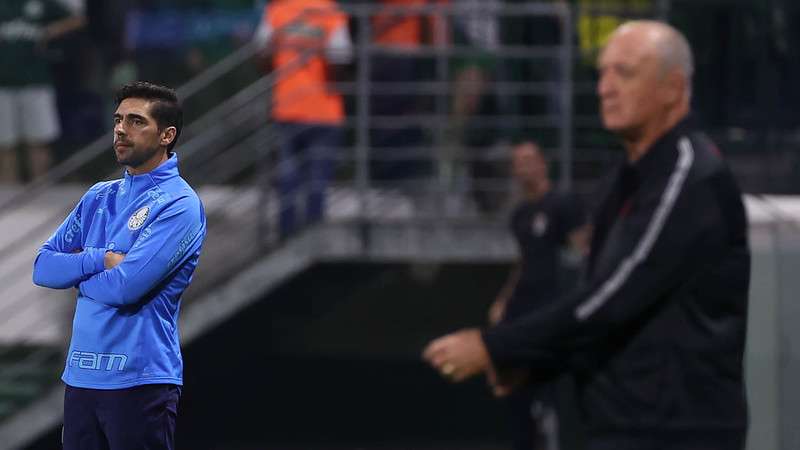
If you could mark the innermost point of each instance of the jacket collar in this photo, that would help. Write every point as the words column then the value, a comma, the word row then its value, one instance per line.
column 659, row 156
column 168, row 169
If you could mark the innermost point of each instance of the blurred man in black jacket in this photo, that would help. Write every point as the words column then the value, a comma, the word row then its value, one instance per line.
column 656, row 332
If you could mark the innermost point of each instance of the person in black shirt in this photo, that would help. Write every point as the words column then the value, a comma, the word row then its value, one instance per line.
column 546, row 225
column 655, row 333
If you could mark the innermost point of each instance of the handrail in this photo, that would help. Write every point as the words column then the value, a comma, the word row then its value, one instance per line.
column 213, row 73
column 101, row 144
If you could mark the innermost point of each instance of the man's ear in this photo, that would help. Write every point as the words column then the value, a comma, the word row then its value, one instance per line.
column 676, row 85
column 168, row 135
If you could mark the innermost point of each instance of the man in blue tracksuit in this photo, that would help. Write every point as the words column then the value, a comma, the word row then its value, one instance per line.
column 130, row 247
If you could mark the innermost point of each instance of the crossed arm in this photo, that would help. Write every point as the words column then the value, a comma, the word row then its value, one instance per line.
column 118, row 279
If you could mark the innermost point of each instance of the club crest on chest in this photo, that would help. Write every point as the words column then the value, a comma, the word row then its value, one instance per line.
column 539, row 224
column 138, row 218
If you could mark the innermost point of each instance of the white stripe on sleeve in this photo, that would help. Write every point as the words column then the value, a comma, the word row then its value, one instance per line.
column 674, row 186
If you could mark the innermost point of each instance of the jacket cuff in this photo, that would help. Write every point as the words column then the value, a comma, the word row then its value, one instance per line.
column 93, row 261
column 494, row 346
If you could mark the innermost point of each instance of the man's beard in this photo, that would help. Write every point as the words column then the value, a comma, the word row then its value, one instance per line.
column 136, row 158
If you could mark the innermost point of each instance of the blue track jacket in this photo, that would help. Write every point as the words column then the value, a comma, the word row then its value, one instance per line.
column 125, row 330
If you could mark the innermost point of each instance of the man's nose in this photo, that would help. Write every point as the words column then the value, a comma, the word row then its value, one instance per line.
column 604, row 86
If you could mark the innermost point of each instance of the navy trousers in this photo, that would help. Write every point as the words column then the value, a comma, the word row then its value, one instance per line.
column 307, row 155
column 137, row 418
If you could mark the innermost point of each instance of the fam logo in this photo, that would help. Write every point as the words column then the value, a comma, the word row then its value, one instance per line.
column 98, row 361
column 539, row 224
column 138, row 218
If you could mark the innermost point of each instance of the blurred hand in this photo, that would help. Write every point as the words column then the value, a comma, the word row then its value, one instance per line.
column 459, row 355
column 111, row 259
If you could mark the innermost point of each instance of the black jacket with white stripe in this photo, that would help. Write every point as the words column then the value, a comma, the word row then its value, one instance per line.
column 656, row 332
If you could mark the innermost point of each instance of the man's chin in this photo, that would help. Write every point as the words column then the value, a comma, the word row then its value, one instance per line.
column 622, row 130
column 121, row 157
column 614, row 126
column 127, row 162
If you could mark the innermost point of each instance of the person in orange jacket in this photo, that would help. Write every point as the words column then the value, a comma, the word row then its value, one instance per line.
column 305, row 41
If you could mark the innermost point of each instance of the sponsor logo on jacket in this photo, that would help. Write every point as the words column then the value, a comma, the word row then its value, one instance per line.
column 98, row 361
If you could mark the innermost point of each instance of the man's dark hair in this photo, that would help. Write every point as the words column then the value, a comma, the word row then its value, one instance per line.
column 165, row 108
